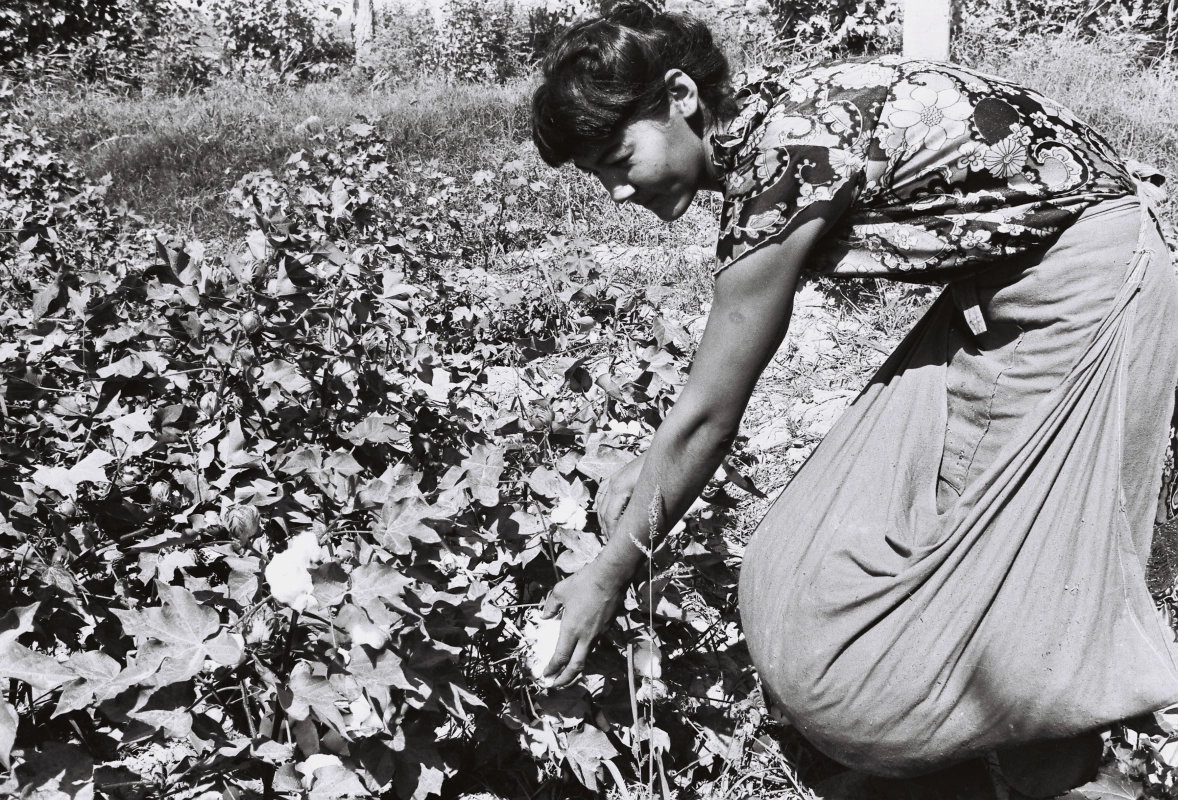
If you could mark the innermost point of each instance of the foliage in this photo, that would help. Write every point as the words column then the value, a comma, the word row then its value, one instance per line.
column 272, row 519
column 1150, row 26
column 495, row 41
column 478, row 41
column 287, row 36
column 30, row 26
column 62, row 220
column 837, row 26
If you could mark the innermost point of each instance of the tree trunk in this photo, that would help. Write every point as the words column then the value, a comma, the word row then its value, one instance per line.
column 362, row 30
column 926, row 29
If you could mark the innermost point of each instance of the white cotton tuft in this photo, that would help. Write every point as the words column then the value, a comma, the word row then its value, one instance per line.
column 569, row 514
column 369, row 634
column 540, row 638
column 288, row 576
column 314, row 762
column 306, row 546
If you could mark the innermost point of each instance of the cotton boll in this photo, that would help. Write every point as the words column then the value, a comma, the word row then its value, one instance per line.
column 569, row 513
column 540, row 638
column 361, row 715
column 369, row 634
column 306, row 545
column 314, row 762
column 287, row 575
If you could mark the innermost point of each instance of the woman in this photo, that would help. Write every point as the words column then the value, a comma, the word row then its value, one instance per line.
column 958, row 569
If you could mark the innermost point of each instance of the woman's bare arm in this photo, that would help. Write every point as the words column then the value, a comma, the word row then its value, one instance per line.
column 750, row 314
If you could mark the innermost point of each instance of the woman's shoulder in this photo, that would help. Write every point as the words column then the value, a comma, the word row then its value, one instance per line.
column 827, row 103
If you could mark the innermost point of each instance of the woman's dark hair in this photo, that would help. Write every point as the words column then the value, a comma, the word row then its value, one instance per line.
column 606, row 72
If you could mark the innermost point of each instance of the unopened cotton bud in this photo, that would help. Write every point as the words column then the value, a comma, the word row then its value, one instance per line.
column 208, row 403
column 244, row 522
column 161, row 493
column 251, row 323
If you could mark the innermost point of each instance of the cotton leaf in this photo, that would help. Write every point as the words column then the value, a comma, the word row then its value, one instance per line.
column 57, row 479
column 231, row 449
column 429, row 782
column 36, row 669
column 334, row 781
column 1108, row 786
column 92, row 467
column 317, row 693
column 56, row 771
column 373, row 581
column 377, row 429
column 286, row 376
column 484, row 467
column 96, row 674
column 601, row 462
column 180, row 626
column 17, row 621
column 582, row 547
column 125, row 427
column 586, row 750
column 128, row 367
column 226, row 649
column 366, row 633
column 65, row 481
column 546, row 482
column 401, row 521
column 342, row 463
column 379, row 671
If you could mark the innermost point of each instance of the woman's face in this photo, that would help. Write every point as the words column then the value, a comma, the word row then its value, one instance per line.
column 656, row 164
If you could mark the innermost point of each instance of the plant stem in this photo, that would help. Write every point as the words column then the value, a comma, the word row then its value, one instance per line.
column 284, row 667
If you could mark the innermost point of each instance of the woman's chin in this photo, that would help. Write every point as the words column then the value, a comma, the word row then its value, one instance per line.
column 670, row 210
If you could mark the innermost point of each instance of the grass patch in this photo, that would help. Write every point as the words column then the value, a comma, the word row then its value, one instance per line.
column 172, row 159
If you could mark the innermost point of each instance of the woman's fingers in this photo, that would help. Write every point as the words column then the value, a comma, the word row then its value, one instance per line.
column 566, row 645
column 575, row 664
column 552, row 605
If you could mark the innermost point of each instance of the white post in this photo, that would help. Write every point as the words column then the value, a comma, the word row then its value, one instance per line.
column 362, row 30
column 926, row 29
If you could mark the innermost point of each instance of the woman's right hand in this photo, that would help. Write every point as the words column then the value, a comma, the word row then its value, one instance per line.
column 615, row 494
column 588, row 599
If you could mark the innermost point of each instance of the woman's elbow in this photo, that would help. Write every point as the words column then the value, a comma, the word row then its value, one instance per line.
column 711, row 430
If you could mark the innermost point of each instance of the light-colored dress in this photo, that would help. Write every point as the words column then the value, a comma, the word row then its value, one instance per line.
column 959, row 566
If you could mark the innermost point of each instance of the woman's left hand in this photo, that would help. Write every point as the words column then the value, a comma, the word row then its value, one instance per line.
column 588, row 598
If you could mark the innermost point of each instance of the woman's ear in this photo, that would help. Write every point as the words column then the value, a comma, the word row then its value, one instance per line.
column 683, row 93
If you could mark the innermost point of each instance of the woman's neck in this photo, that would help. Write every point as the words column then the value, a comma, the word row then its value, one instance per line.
column 713, row 178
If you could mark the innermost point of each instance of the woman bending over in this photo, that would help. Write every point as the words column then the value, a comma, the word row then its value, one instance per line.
column 958, row 569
